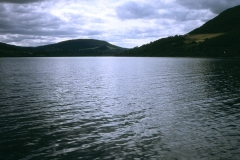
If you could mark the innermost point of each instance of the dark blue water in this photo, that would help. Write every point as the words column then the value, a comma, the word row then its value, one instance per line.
column 119, row 108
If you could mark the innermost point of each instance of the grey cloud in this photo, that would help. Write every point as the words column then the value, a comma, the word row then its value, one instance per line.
column 18, row 38
column 216, row 6
column 29, row 25
column 13, row 21
column 20, row 1
column 27, row 22
column 190, row 15
column 134, row 10
column 92, row 33
column 161, row 10
column 25, row 40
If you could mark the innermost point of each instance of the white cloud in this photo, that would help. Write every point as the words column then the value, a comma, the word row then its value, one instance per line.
column 124, row 23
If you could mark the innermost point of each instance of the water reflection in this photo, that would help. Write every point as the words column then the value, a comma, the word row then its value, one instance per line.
column 119, row 108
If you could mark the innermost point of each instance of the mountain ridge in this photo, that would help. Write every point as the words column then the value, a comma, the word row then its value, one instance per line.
column 75, row 47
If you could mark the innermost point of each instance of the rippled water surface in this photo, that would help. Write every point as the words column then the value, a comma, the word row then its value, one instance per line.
column 119, row 108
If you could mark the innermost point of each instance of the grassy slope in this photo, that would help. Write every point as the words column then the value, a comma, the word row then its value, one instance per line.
column 200, row 37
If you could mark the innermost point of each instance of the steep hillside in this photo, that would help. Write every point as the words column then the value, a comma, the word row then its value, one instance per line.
column 79, row 47
column 219, row 37
column 227, row 21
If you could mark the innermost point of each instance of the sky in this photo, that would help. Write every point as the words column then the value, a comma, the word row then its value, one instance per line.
column 126, row 23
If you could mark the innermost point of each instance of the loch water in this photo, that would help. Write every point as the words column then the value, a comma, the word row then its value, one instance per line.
column 119, row 108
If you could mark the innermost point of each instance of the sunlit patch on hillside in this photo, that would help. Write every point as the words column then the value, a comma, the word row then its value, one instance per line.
column 200, row 37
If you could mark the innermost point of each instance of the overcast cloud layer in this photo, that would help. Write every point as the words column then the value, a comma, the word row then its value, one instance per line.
column 121, row 22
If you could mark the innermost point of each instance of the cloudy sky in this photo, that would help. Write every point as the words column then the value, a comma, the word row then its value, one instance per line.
column 126, row 23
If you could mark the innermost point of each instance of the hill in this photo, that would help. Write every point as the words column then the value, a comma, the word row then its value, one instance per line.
column 227, row 21
column 79, row 47
column 219, row 37
column 7, row 50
